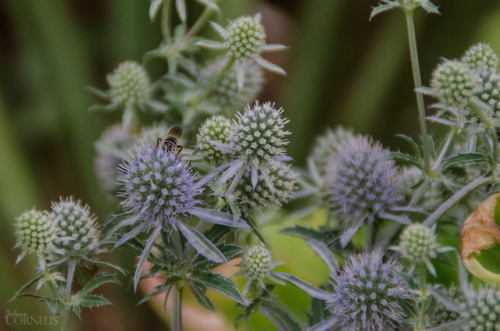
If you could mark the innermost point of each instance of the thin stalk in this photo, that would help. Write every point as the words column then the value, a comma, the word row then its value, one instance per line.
column 448, row 204
column 417, row 80
column 199, row 24
column 165, row 21
column 444, row 149
column 69, row 280
column 176, row 310
column 369, row 237
column 422, row 282
column 65, row 318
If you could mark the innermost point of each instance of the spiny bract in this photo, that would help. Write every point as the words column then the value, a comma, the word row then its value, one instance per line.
column 259, row 133
column 365, row 293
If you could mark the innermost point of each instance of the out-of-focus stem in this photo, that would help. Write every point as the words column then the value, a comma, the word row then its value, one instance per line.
column 417, row 80
column 177, row 310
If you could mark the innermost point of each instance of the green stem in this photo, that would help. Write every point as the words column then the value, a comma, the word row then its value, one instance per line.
column 177, row 310
column 165, row 21
column 65, row 319
column 448, row 204
column 217, row 78
column 69, row 280
column 369, row 236
column 412, row 40
column 422, row 282
column 199, row 24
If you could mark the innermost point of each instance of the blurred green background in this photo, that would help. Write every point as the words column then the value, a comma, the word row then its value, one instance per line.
column 342, row 69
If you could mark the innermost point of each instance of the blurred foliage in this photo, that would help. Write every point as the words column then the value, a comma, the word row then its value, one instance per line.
column 342, row 69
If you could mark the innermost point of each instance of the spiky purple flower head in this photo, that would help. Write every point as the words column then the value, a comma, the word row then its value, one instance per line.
column 365, row 293
column 361, row 180
column 157, row 186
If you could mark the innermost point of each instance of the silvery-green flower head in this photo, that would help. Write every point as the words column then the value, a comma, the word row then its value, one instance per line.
column 226, row 94
column 284, row 181
column 366, row 292
column 256, row 264
column 76, row 229
column 157, row 186
column 455, row 83
column 129, row 84
column 110, row 151
column 216, row 128
column 244, row 40
column 482, row 57
column 482, row 310
column 362, row 183
column 418, row 244
column 35, row 233
column 259, row 133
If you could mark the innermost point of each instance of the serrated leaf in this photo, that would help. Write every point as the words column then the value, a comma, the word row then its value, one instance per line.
column 158, row 290
column 204, row 246
column 443, row 299
column 92, row 301
column 286, row 322
column 463, row 158
column 218, row 217
column 324, row 253
column 382, row 8
column 305, row 286
column 98, row 280
column 219, row 284
column 411, row 142
column 25, row 287
column 405, row 158
column 77, row 310
column 199, row 292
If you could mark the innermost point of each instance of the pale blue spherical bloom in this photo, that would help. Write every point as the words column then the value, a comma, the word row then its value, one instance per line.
column 157, row 186
column 365, row 293
column 362, row 180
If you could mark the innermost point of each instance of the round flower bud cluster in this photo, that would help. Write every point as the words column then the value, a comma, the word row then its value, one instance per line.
column 225, row 92
column 490, row 91
column 245, row 37
column 362, row 180
column 157, row 186
column 482, row 310
column 259, row 133
column 441, row 314
column 129, row 84
column 76, row 229
column 35, row 233
column 283, row 179
column 365, row 293
column 256, row 264
column 110, row 149
column 217, row 129
column 455, row 83
column 327, row 143
column 418, row 243
column 481, row 56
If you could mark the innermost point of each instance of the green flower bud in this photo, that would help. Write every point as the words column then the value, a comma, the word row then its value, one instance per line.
column 482, row 310
column 418, row 243
column 35, row 233
column 481, row 56
column 256, row 264
column 129, row 84
column 455, row 83
column 215, row 128
column 245, row 37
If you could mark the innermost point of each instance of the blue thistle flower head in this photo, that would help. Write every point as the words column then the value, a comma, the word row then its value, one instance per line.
column 365, row 293
column 361, row 180
column 259, row 134
column 157, row 186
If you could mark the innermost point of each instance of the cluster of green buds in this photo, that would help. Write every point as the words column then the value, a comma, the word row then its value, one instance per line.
column 256, row 266
column 35, row 233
